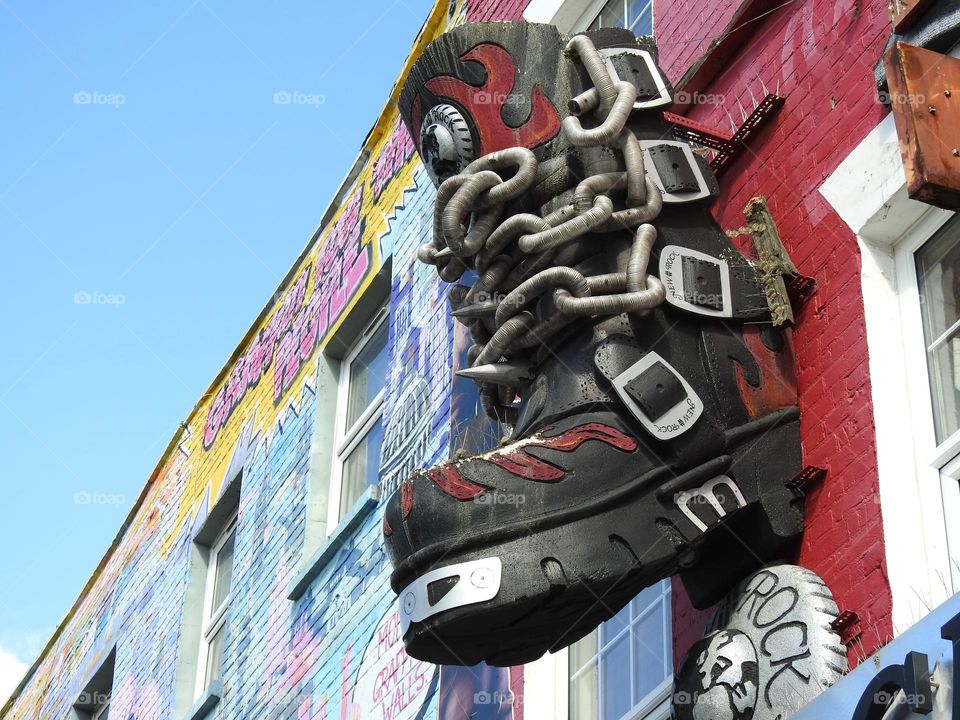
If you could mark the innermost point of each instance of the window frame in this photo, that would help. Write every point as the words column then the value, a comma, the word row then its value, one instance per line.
column 346, row 439
column 213, row 619
column 937, row 464
column 98, row 713
column 593, row 10
column 655, row 705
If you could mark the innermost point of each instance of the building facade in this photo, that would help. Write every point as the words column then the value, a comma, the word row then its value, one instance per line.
column 249, row 579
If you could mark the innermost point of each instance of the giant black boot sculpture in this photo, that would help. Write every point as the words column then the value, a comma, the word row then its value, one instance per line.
column 627, row 342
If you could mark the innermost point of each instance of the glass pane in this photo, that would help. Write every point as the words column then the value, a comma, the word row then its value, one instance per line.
column 938, row 277
column 635, row 656
column 362, row 467
column 648, row 652
column 104, row 713
column 614, row 626
column 647, row 597
column 610, row 16
column 583, row 694
column 641, row 17
column 224, row 572
column 368, row 373
column 215, row 655
column 615, row 672
column 582, row 651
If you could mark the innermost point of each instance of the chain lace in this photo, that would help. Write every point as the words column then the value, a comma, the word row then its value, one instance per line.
column 520, row 258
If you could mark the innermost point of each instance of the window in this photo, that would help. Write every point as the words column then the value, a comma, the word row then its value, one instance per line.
column 635, row 15
column 623, row 669
column 931, row 265
column 938, row 280
column 359, row 436
column 94, row 701
column 216, row 601
column 104, row 712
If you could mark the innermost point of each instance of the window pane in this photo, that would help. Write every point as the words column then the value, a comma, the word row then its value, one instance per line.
column 614, row 626
column 368, row 373
column 104, row 713
column 583, row 694
column 582, row 651
column 646, row 598
column 641, row 17
column 611, row 15
column 635, row 656
column 615, row 672
column 215, row 655
column 938, row 276
column 650, row 665
column 362, row 467
column 224, row 572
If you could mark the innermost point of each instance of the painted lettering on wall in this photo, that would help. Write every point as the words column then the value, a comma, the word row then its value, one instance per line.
column 398, row 150
column 343, row 262
column 254, row 363
column 310, row 308
column 391, row 685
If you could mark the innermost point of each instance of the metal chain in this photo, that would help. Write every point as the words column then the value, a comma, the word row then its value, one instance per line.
column 520, row 259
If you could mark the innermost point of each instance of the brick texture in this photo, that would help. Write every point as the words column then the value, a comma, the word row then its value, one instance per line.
column 821, row 54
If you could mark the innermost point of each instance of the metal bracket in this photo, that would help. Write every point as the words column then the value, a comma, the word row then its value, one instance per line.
column 727, row 147
column 847, row 624
column 807, row 478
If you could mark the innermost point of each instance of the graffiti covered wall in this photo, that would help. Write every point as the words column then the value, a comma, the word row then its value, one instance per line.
column 335, row 651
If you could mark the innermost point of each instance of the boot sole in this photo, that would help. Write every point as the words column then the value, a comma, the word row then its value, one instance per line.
column 553, row 591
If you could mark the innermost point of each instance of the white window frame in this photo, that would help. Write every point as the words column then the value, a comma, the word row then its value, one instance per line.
column 214, row 619
column 655, row 705
column 98, row 713
column 597, row 6
column 568, row 15
column 937, row 465
column 346, row 439
column 868, row 191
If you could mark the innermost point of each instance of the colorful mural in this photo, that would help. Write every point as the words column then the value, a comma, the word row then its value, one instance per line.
column 335, row 651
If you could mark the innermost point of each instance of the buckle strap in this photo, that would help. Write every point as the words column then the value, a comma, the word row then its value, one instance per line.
column 658, row 396
column 638, row 67
column 702, row 284
column 678, row 172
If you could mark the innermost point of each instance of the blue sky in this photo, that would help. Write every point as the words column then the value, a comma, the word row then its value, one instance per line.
column 152, row 195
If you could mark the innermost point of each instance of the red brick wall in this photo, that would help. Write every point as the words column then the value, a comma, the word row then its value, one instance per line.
column 478, row 11
column 821, row 52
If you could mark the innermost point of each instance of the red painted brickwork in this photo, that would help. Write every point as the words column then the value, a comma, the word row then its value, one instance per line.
column 503, row 10
column 821, row 52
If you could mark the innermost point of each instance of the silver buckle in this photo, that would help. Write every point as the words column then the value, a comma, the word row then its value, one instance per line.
column 671, row 274
column 706, row 492
column 663, row 95
column 476, row 581
column 651, row 167
column 678, row 419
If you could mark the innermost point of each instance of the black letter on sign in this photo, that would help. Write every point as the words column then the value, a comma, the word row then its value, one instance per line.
column 913, row 677
column 951, row 632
